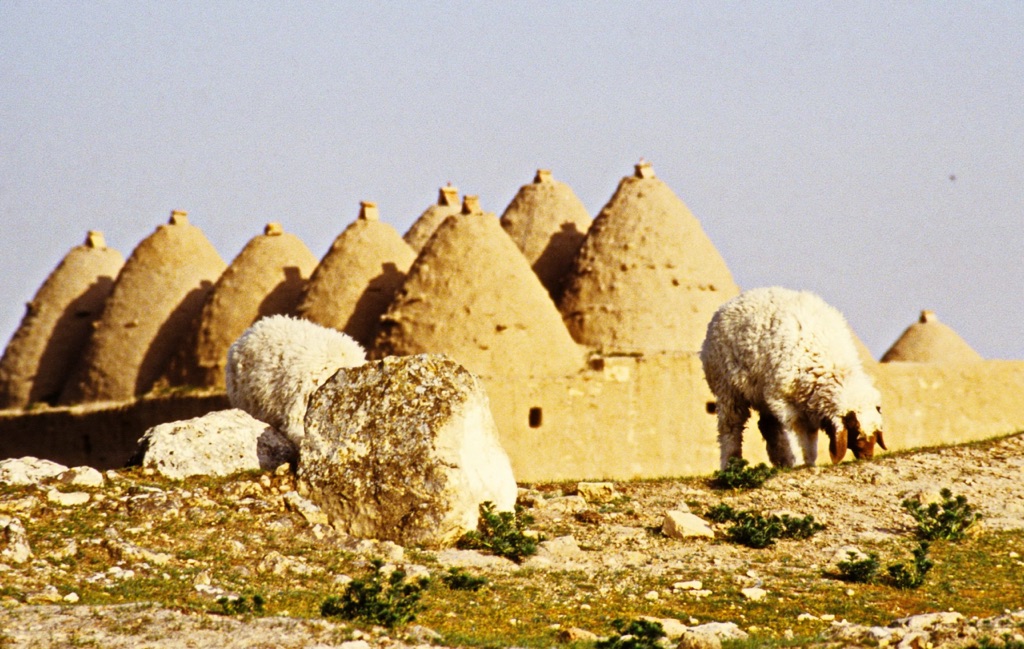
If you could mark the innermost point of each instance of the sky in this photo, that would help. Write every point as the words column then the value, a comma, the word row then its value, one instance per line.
column 872, row 152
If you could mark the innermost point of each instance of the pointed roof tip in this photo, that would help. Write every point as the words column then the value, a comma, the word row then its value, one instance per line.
column 448, row 195
column 178, row 217
column 643, row 169
column 928, row 341
column 95, row 239
column 273, row 229
column 471, row 204
column 543, row 176
column 368, row 211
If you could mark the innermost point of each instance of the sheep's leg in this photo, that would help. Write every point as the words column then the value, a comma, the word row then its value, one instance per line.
column 807, row 435
column 771, row 431
column 732, row 417
column 782, row 446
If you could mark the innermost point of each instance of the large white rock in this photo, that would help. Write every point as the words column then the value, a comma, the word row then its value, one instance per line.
column 404, row 449
column 28, row 470
column 218, row 443
column 278, row 362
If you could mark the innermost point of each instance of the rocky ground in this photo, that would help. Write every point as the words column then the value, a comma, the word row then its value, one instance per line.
column 130, row 560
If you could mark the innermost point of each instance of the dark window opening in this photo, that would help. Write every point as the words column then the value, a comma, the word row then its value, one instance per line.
column 536, row 417
column 712, row 407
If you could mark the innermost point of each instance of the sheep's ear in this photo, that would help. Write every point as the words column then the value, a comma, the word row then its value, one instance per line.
column 881, row 442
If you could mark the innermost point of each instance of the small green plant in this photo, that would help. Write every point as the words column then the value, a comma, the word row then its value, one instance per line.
column 1007, row 642
column 738, row 474
column 387, row 601
column 637, row 634
column 720, row 513
column 501, row 533
column 910, row 576
column 459, row 579
column 241, row 605
column 859, row 569
column 948, row 521
column 753, row 530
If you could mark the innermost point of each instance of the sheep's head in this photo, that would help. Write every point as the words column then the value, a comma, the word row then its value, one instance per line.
column 861, row 425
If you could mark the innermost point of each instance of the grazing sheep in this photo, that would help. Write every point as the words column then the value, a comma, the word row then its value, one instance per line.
column 792, row 357
column 276, row 365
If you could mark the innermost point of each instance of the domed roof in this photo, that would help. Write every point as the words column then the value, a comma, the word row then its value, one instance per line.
column 930, row 341
column 548, row 222
column 266, row 278
column 423, row 227
column 357, row 278
column 647, row 278
column 471, row 295
column 57, row 324
column 158, row 293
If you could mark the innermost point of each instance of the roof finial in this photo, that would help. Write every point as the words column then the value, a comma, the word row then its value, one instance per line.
column 273, row 229
column 543, row 176
column 471, row 204
column 643, row 169
column 94, row 239
column 178, row 217
column 368, row 211
column 448, row 195
column 927, row 316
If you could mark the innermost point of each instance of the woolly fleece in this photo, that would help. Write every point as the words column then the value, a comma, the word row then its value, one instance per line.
column 792, row 357
column 279, row 362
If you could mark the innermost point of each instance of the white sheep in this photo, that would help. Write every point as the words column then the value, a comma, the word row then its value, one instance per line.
column 792, row 357
column 276, row 365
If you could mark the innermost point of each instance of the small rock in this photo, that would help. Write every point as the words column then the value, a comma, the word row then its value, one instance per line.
column 49, row 595
column 754, row 594
column 565, row 505
column 305, row 508
column 576, row 634
column 692, row 640
column 683, row 525
column 14, row 545
column 562, row 547
column 651, row 595
column 597, row 492
column 71, row 598
column 67, row 499
column 28, row 470
column 82, row 476
column 672, row 627
column 696, row 584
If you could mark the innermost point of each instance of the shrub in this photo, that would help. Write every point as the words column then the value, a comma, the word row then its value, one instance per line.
column 753, row 530
column 241, row 605
column 387, row 601
column 738, row 474
column 459, row 579
column 501, row 533
column 638, row 634
column 907, row 577
column 948, row 521
column 857, row 569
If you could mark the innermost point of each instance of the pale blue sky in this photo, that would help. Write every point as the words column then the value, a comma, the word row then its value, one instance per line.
column 815, row 141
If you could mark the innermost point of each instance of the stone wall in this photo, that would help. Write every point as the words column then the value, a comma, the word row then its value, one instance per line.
column 624, row 417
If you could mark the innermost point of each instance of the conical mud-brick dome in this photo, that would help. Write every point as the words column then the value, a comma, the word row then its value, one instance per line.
column 422, row 229
column 57, row 324
column 266, row 278
column 647, row 278
column 471, row 295
column 930, row 341
column 357, row 278
column 548, row 223
column 158, row 294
